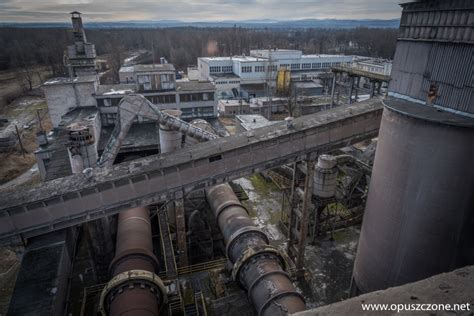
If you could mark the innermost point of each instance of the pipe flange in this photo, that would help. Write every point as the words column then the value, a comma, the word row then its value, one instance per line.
column 129, row 277
column 227, row 204
column 134, row 253
column 279, row 295
column 252, row 252
column 239, row 232
column 262, row 276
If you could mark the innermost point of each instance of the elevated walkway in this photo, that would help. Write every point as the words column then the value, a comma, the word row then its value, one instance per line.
column 81, row 198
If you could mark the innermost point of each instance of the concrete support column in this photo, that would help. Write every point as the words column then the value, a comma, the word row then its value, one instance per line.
column 308, row 191
column 292, row 215
column 99, row 233
column 357, row 89
column 181, row 232
column 350, row 89
column 82, row 153
column 333, row 89
column 170, row 141
column 372, row 88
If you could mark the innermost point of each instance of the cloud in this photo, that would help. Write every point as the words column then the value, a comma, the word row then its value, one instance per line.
column 195, row 10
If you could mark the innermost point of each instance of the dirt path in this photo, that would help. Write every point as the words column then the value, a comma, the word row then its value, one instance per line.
column 27, row 177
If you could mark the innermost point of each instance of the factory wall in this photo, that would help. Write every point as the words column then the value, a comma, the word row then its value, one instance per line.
column 449, row 66
column 61, row 98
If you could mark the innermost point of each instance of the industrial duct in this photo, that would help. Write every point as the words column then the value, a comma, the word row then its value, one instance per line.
column 258, row 267
column 135, row 105
column 135, row 289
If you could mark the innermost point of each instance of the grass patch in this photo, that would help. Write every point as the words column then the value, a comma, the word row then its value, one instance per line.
column 261, row 185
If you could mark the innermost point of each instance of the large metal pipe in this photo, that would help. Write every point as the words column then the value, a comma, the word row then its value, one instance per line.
column 134, row 289
column 258, row 267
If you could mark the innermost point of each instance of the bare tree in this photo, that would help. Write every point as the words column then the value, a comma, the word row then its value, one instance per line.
column 115, row 49
column 24, row 61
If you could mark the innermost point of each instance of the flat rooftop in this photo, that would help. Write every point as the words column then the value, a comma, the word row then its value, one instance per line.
column 233, row 102
column 115, row 89
column 67, row 80
column 150, row 68
column 194, row 86
column 253, row 121
column 126, row 69
column 83, row 113
column 324, row 56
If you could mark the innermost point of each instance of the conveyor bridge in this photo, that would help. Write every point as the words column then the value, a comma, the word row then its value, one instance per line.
column 81, row 198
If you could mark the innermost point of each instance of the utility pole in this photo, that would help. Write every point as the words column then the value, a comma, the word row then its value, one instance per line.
column 39, row 120
column 23, row 151
column 153, row 52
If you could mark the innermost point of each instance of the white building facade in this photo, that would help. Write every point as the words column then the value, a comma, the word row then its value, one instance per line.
column 262, row 65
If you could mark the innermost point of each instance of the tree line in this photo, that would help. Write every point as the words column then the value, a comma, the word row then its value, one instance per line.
column 23, row 47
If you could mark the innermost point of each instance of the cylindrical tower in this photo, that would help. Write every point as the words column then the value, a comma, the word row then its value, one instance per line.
column 81, row 147
column 170, row 140
column 325, row 177
column 419, row 218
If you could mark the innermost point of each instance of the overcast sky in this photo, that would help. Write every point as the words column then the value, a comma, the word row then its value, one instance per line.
column 195, row 10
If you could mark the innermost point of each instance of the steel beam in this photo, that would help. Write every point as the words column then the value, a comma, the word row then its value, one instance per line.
column 308, row 192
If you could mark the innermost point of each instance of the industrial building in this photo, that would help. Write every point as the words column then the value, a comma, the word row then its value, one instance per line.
column 248, row 75
column 148, row 213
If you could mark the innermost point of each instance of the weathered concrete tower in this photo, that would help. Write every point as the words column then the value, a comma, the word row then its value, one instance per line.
column 80, row 56
column 419, row 216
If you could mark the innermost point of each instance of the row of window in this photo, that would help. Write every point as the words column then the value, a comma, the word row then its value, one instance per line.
column 247, row 69
column 162, row 99
column 191, row 97
column 228, row 82
column 215, row 69
column 304, row 66
column 225, row 69
column 204, row 111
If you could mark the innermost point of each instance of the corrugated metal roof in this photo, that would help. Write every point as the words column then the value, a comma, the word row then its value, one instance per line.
column 449, row 66
column 435, row 20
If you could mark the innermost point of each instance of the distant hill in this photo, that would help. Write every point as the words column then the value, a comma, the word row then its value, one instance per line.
column 292, row 24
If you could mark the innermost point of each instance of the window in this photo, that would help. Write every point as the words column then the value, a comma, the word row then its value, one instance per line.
column 193, row 97
column 272, row 67
column 259, row 68
column 107, row 102
column 162, row 99
column 306, row 66
column 108, row 119
column 316, row 65
column 295, row 66
column 144, row 81
column 226, row 69
column 247, row 69
column 286, row 66
column 215, row 69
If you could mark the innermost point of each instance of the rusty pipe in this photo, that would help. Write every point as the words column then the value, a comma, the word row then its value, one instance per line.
column 258, row 267
column 134, row 289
